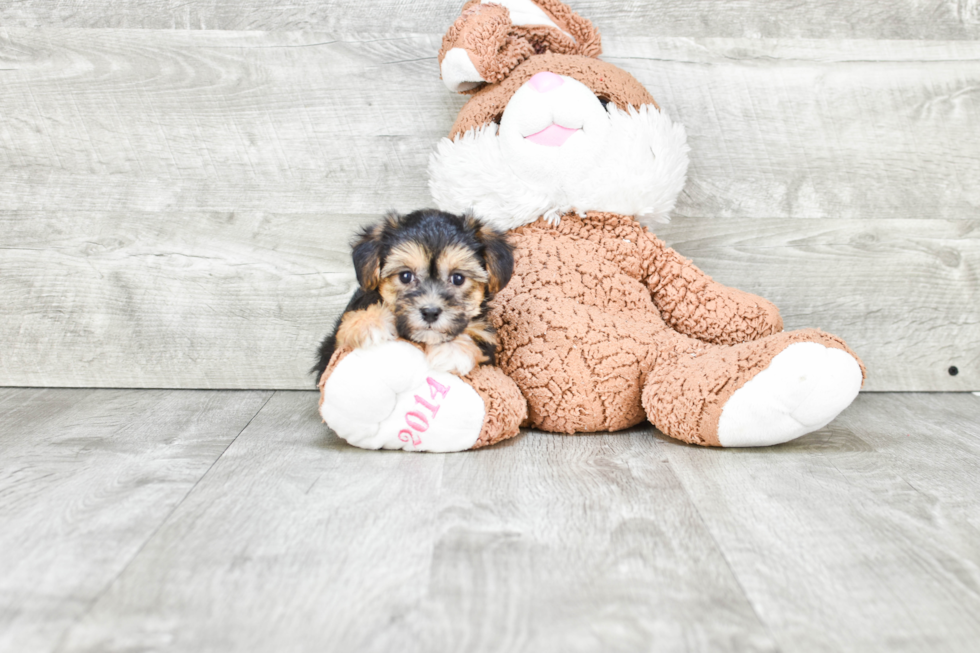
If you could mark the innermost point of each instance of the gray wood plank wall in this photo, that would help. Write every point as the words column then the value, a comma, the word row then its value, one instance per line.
column 178, row 180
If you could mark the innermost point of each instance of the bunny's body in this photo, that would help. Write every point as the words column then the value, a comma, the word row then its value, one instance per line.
column 602, row 325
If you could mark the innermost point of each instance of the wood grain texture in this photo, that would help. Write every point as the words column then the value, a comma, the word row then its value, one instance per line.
column 819, row 129
column 176, row 205
column 860, row 537
column 86, row 478
column 240, row 300
column 135, row 120
column 549, row 543
column 899, row 19
column 150, row 299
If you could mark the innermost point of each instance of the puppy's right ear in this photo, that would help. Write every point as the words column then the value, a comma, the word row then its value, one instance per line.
column 367, row 256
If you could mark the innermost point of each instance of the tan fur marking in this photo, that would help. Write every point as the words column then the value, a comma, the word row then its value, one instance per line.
column 479, row 331
column 359, row 328
column 410, row 256
column 473, row 299
column 457, row 258
column 391, row 220
column 472, row 350
column 388, row 289
column 464, row 343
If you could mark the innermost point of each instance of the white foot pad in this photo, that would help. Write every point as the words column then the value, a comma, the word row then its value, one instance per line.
column 387, row 397
column 805, row 387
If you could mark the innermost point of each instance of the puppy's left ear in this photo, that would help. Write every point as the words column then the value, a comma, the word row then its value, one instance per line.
column 498, row 257
column 367, row 257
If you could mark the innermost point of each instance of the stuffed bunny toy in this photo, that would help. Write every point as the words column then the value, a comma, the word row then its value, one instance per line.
column 602, row 324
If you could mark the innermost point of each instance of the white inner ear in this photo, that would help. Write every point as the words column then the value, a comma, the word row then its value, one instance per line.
column 458, row 72
column 525, row 12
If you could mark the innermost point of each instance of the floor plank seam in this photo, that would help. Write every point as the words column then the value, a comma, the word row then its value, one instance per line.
column 721, row 551
column 98, row 597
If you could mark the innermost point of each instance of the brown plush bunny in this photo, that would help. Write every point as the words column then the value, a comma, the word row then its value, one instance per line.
column 602, row 325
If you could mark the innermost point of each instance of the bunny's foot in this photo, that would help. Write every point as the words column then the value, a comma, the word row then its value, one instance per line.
column 390, row 396
column 804, row 387
column 757, row 393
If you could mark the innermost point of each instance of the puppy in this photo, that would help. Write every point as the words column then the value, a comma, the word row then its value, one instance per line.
column 427, row 277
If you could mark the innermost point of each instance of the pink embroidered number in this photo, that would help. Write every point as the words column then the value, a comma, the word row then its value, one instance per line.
column 416, row 419
column 405, row 436
column 420, row 423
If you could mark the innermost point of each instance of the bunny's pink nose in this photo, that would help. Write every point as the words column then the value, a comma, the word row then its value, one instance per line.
column 545, row 81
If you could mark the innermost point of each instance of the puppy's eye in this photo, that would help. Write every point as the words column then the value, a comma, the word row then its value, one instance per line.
column 457, row 279
column 406, row 277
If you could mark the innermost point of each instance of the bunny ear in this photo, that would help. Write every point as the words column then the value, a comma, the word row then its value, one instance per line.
column 479, row 47
column 490, row 39
column 575, row 35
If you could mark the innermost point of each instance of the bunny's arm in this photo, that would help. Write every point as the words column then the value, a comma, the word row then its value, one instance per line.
column 388, row 397
column 694, row 304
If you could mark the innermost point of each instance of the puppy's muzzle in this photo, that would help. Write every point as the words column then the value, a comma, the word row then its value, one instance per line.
column 430, row 313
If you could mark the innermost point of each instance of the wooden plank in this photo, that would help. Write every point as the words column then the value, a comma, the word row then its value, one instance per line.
column 899, row 19
column 176, row 204
column 549, row 543
column 213, row 300
column 933, row 441
column 860, row 537
column 819, row 129
column 241, row 300
column 134, row 120
column 581, row 543
column 86, row 477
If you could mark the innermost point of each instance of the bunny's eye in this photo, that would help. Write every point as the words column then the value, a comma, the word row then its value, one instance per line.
column 605, row 103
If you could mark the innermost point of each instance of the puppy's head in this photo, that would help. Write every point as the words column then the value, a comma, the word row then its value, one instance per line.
column 434, row 270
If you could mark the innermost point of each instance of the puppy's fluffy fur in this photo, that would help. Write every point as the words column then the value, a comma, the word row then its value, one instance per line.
column 426, row 277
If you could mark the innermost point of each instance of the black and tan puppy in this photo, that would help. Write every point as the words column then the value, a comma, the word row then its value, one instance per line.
column 426, row 277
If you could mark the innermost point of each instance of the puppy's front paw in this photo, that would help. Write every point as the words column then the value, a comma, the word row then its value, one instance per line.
column 388, row 397
column 367, row 327
column 457, row 356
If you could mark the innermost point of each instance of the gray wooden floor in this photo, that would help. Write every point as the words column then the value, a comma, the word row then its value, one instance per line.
column 139, row 520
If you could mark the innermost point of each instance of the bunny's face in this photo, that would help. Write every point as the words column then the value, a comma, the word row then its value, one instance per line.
column 604, row 81
column 551, row 126
column 550, row 110
column 557, row 133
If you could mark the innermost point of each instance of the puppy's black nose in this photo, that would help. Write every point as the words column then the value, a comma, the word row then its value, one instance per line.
column 430, row 313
